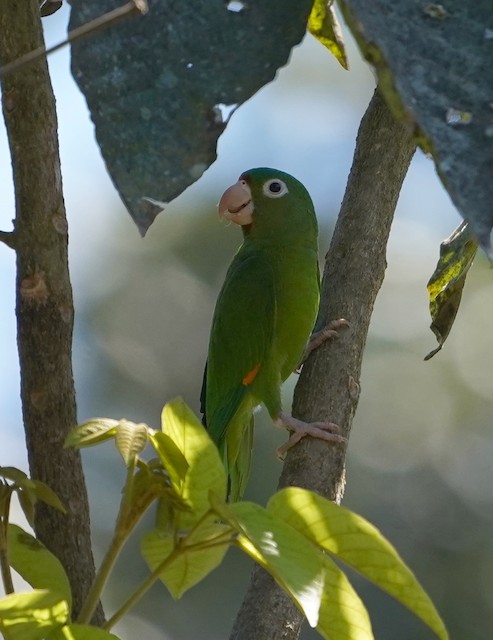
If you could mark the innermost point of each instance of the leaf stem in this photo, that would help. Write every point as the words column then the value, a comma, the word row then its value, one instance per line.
column 141, row 590
column 146, row 584
column 120, row 536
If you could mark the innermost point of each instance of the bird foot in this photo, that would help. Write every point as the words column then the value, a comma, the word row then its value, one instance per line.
column 330, row 331
column 327, row 431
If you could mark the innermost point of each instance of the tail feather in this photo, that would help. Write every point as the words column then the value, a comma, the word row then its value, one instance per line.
column 238, row 458
column 231, row 428
column 202, row 397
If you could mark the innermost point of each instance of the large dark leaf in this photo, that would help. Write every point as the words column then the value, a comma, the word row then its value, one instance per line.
column 156, row 85
column 435, row 67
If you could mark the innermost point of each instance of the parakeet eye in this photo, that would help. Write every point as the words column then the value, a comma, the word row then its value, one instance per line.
column 274, row 188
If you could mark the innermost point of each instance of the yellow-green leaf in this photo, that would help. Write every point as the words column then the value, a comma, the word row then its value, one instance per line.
column 130, row 439
column 26, row 501
column 80, row 632
column 359, row 544
column 31, row 616
column 92, row 432
column 205, row 470
column 37, row 566
column 170, row 455
column 43, row 492
column 447, row 282
column 151, row 484
column 316, row 585
column 324, row 25
column 342, row 616
column 12, row 473
column 192, row 561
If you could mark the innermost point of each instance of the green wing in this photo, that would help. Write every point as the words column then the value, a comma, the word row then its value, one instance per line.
column 241, row 339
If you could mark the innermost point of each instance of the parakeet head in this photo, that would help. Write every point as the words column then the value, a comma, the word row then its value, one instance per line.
column 266, row 202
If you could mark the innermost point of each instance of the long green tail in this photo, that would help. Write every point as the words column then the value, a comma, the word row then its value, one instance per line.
column 237, row 456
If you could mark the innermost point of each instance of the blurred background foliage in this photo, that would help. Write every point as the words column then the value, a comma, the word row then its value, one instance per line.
column 420, row 462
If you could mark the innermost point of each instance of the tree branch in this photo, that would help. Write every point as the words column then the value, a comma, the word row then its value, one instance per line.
column 328, row 388
column 44, row 305
column 8, row 238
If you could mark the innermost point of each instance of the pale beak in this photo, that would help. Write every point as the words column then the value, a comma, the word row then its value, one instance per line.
column 236, row 204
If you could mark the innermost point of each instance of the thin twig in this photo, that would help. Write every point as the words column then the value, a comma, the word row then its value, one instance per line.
column 106, row 20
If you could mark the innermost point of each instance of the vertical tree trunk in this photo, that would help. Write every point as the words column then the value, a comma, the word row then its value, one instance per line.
column 44, row 305
column 328, row 388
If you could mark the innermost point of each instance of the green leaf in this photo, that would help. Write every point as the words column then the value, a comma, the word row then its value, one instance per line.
column 151, row 483
column 26, row 501
column 130, row 439
column 80, row 632
column 206, row 472
column 42, row 492
column 12, row 473
column 342, row 615
column 31, row 616
column 36, row 489
column 92, row 432
column 192, row 560
column 170, row 455
column 35, row 564
column 324, row 25
column 447, row 282
column 316, row 585
column 359, row 544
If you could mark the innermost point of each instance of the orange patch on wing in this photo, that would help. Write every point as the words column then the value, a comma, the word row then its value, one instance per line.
column 251, row 375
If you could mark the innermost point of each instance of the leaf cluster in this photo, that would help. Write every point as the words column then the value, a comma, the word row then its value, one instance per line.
column 296, row 538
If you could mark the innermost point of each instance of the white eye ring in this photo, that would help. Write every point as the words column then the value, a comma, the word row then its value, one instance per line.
column 275, row 188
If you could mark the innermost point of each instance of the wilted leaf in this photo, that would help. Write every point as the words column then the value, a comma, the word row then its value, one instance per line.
column 92, row 432
column 434, row 70
column 316, row 585
column 447, row 282
column 31, row 616
column 359, row 544
column 206, row 472
column 324, row 25
column 80, row 632
column 156, row 86
column 35, row 564
column 130, row 439
column 191, row 565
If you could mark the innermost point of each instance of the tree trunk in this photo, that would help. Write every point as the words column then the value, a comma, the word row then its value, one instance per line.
column 44, row 305
column 328, row 388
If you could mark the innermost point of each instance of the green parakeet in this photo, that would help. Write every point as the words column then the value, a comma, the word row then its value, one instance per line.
column 264, row 315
